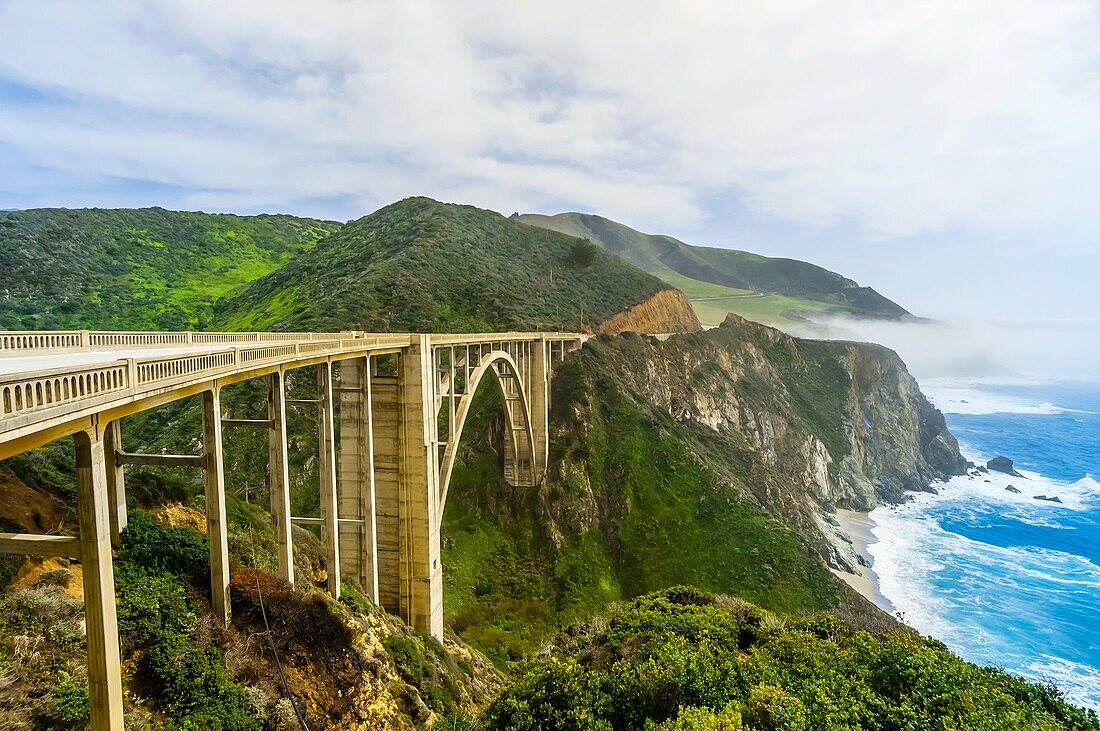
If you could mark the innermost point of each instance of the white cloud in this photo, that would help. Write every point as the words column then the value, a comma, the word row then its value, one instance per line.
column 901, row 117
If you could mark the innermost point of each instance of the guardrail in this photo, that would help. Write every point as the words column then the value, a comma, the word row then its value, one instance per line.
column 44, row 341
column 58, row 391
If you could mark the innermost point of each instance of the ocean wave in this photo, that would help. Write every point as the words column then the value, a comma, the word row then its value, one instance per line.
column 986, row 601
column 992, row 487
column 954, row 396
column 1080, row 682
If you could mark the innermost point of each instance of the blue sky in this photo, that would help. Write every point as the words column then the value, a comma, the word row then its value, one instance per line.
column 946, row 153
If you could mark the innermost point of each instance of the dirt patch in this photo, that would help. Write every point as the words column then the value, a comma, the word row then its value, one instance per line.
column 25, row 506
column 667, row 311
column 177, row 515
column 39, row 571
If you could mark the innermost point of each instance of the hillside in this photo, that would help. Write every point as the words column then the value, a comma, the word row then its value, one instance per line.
column 143, row 269
column 420, row 265
column 686, row 660
column 713, row 458
column 710, row 458
column 718, row 281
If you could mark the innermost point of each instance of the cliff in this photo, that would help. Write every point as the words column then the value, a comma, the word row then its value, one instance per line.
column 668, row 311
column 710, row 458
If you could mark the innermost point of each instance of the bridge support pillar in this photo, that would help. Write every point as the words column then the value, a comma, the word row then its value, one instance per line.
column 358, row 557
column 279, row 475
column 386, row 417
column 421, row 586
column 214, row 477
column 104, row 665
column 116, row 481
column 330, row 516
column 540, row 406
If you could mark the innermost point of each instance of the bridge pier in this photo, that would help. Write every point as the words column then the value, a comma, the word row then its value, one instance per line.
column 213, row 467
column 326, row 468
column 421, row 573
column 104, row 664
column 278, row 470
column 358, row 554
column 116, row 481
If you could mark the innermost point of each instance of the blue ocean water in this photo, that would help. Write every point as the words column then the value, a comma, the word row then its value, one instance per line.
column 1002, row 578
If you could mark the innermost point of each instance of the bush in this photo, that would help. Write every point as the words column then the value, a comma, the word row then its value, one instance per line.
column 68, row 706
column 194, row 685
column 681, row 659
column 160, row 548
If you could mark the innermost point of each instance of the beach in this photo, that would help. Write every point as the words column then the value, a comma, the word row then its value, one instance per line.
column 860, row 528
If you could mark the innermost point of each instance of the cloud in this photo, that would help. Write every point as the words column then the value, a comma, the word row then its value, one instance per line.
column 901, row 118
column 1047, row 349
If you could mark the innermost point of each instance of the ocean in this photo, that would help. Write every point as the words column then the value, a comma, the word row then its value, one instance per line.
column 1002, row 578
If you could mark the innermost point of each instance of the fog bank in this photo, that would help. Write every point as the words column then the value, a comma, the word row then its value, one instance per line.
column 1064, row 349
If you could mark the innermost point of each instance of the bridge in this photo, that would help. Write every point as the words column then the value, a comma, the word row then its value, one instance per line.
column 390, row 412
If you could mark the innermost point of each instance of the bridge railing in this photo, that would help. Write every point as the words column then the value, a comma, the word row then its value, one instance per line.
column 63, row 388
column 62, row 341
column 46, row 393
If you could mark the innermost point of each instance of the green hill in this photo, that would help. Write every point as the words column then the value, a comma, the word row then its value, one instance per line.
column 421, row 265
column 686, row 660
column 142, row 269
column 719, row 281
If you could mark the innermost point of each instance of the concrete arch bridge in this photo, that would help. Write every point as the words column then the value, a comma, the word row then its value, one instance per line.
column 400, row 402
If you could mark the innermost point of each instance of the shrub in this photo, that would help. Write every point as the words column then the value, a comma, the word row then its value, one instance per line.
column 68, row 706
column 161, row 548
column 681, row 659
column 194, row 685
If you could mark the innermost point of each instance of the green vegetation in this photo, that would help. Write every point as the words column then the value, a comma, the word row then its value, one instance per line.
column 42, row 643
column 792, row 286
column 635, row 501
column 769, row 309
column 420, row 265
column 686, row 659
column 143, row 269
column 159, row 618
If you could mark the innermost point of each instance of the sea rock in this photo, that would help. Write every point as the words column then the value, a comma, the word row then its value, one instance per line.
column 983, row 468
column 1051, row 499
column 831, row 520
column 1003, row 465
column 1010, row 488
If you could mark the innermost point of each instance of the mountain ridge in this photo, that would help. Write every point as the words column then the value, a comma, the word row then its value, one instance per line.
column 740, row 273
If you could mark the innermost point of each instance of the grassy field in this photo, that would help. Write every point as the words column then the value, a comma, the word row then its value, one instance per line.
column 770, row 309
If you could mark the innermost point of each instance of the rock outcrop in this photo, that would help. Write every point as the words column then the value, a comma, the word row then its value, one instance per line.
column 667, row 311
column 1002, row 465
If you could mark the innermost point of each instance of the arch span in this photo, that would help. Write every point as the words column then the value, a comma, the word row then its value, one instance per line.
column 519, row 435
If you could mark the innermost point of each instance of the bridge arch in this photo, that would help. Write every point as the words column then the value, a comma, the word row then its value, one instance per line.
column 519, row 437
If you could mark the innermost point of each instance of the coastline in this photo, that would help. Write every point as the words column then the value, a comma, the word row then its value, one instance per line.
column 859, row 526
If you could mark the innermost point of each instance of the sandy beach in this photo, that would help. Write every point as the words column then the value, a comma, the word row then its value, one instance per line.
column 859, row 527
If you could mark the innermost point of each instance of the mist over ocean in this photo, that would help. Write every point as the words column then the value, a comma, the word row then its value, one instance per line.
column 1003, row 578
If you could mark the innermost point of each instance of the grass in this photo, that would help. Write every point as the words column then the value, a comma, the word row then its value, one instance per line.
column 772, row 309
column 696, row 288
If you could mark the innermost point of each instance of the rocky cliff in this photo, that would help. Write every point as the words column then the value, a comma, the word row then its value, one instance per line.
column 709, row 458
column 668, row 311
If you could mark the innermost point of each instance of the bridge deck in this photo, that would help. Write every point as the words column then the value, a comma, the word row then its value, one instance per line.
column 52, row 382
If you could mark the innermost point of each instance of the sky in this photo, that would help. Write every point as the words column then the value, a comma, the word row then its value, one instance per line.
column 945, row 152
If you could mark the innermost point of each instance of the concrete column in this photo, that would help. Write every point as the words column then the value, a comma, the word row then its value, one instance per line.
column 421, row 589
column 326, row 467
column 386, row 423
column 104, row 665
column 213, row 464
column 116, row 481
column 539, row 402
column 356, row 476
column 279, row 474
